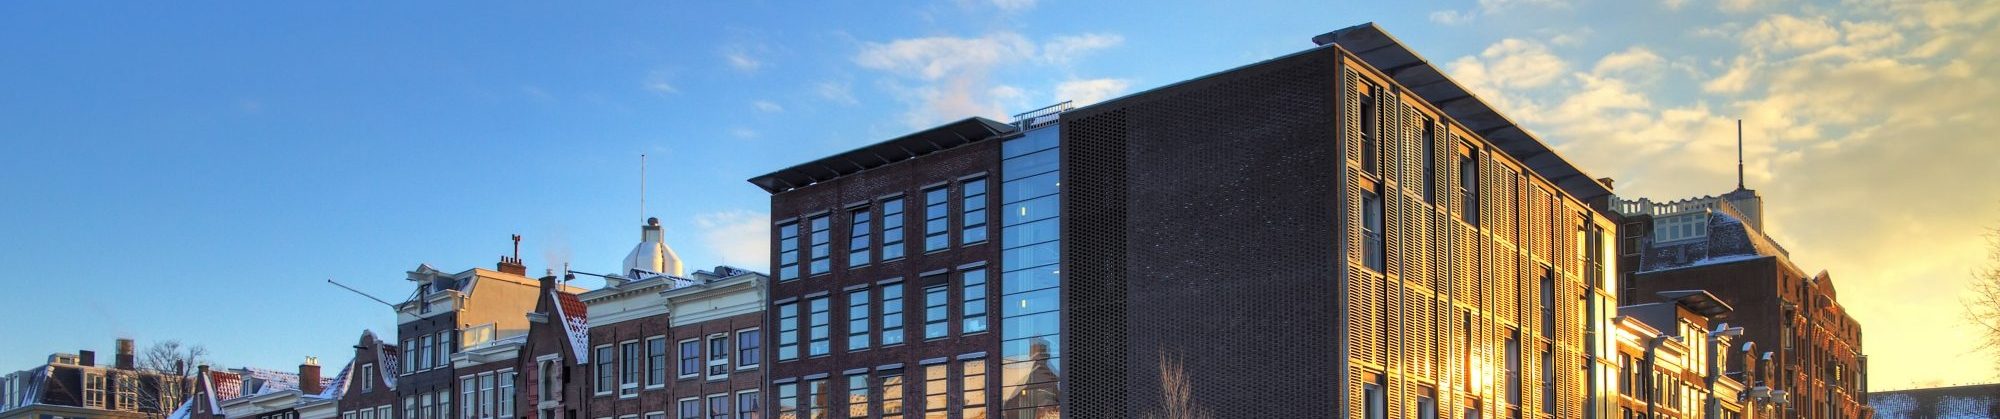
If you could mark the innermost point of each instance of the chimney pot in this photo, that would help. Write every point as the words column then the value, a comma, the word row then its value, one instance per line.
column 124, row 359
column 86, row 358
column 309, row 376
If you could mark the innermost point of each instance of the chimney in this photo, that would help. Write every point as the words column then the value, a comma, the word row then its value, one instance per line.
column 180, row 367
column 309, row 376
column 124, row 359
column 512, row 264
column 86, row 358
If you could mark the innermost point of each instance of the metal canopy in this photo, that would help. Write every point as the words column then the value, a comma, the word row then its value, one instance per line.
column 942, row 137
column 1416, row 74
column 1698, row 301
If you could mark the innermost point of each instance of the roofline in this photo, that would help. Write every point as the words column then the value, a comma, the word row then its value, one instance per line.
column 939, row 138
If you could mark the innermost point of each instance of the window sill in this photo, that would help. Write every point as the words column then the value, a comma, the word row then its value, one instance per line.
column 746, row 367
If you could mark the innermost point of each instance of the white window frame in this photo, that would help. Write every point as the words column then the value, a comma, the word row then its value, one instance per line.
column 409, row 365
column 598, row 386
column 650, row 384
column 680, row 413
column 638, row 372
column 98, row 390
column 739, row 346
column 504, row 387
column 710, row 362
column 679, row 355
column 727, row 400
column 367, row 377
column 548, row 375
column 737, row 402
column 469, row 409
column 657, row 414
column 383, row 411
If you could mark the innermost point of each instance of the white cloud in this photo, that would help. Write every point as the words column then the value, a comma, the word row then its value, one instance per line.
column 1491, row 6
column 742, row 133
column 1063, row 49
column 1509, row 64
column 1736, row 6
column 1451, row 17
column 836, row 92
column 742, row 61
column 1014, row 5
column 1790, row 33
column 1732, row 81
column 1673, row 4
column 741, row 237
column 1632, row 59
column 1085, row 92
column 767, row 106
column 936, row 58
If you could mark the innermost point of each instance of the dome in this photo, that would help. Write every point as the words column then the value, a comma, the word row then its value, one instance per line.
column 652, row 254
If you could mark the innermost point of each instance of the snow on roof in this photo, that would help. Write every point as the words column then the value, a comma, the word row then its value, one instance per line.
column 389, row 359
column 338, row 386
column 575, row 321
column 183, row 411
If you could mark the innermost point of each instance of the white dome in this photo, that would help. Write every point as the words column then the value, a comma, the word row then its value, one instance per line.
column 652, row 254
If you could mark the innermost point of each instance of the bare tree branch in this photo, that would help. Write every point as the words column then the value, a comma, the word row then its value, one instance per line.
column 1982, row 301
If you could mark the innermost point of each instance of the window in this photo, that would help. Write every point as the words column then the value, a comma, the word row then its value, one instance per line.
column 857, row 320
column 506, row 395
column 788, row 252
column 409, row 362
column 972, row 291
column 892, row 229
column 892, row 393
column 409, row 408
column 937, row 396
column 858, row 240
column 1514, row 368
column 816, row 400
column 367, row 377
column 788, row 400
column 936, row 312
column 788, row 331
column 937, row 219
column 718, row 406
column 1374, row 405
column 486, row 399
column 477, row 335
column 428, row 344
column 607, row 373
column 1427, row 407
column 1369, row 137
column 443, row 403
column 1371, row 232
column 93, row 390
column 892, row 314
column 656, row 361
column 633, row 366
column 822, row 247
column 1430, row 174
column 424, row 410
column 718, row 356
column 444, row 349
column 468, row 388
column 690, row 408
column 1548, row 303
column 128, row 392
column 747, row 344
column 972, row 388
column 1548, row 381
column 690, row 358
column 1468, row 189
column 858, row 402
column 974, row 209
column 746, row 405
column 820, row 337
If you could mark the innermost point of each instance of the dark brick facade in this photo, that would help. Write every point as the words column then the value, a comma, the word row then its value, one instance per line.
column 367, row 387
column 549, row 340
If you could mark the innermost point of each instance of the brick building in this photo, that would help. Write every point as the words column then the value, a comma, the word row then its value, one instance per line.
column 1675, row 360
column 554, row 359
column 368, row 385
column 446, row 313
column 1816, row 363
column 1342, row 229
column 75, row 385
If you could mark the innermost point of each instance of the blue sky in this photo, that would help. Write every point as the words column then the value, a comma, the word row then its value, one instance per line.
column 196, row 171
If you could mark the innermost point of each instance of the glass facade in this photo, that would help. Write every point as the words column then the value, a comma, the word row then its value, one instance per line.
column 1030, row 284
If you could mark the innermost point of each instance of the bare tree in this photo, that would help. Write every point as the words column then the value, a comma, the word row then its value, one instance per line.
column 1177, row 391
column 1982, row 307
column 175, row 363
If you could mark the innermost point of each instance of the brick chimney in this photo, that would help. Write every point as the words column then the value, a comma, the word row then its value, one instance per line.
column 124, row 359
column 512, row 264
column 86, row 358
column 309, row 376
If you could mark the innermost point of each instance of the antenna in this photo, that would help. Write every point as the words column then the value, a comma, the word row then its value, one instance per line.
column 1739, row 154
column 351, row 289
column 642, row 188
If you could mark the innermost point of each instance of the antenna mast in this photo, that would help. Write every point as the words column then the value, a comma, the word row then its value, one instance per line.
column 1739, row 154
column 371, row 297
column 642, row 188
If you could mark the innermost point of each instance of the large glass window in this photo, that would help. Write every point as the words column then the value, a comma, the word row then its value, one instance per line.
column 857, row 320
column 469, row 392
column 690, row 358
column 857, row 398
column 1030, row 284
column 1371, row 231
column 937, row 217
column 788, row 331
column 972, row 388
column 816, row 400
column 974, row 211
column 486, row 399
column 1514, row 368
column 892, row 393
column 972, row 293
column 937, row 313
column 859, row 239
column 656, row 361
column 937, row 392
column 892, row 314
column 409, row 362
column 718, row 355
column 746, row 405
column 788, row 252
column 506, row 395
column 747, row 345
column 424, row 351
column 634, row 366
column 1369, row 123
column 892, row 229
column 822, row 247
column 607, row 371
column 93, row 390
column 820, row 335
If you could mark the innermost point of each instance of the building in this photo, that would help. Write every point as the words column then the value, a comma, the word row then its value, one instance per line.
column 1957, row 402
column 489, row 377
column 666, row 345
column 245, row 393
column 75, row 386
column 555, row 358
column 1817, row 365
column 368, row 385
column 1342, row 229
column 447, row 313
column 1676, row 360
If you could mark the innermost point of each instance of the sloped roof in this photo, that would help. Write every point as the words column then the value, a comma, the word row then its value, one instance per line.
column 1384, row 52
column 939, row 138
column 222, row 385
column 338, row 386
column 575, row 317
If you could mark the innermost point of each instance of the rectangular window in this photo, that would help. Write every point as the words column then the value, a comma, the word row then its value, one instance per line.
column 445, row 349
column 1427, row 407
column 468, row 388
column 427, row 343
column 788, row 331
column 690, row 358
column 1374, row 403
column 788, row 401
column 410, row 361
column 1371, row 232
column 367, row 377
column 128, row 392
column 718, row 356
column 424, row 409
column 937, row 395
column 747, row 344
column 1514, row 369
column 974, row 211
column 858, row 239
column 858, row 401
column 93, row 390
column 1468, row 189
column 718, row 406
column 444, row 403
column 820, row 335
column 746, row 405
column 972, row 293
column 892, row 229
column 633, row 366
column 788, row 252
column 857, row 320
column 972, row 388
column 1369, row 137
column 892, row 314
column 1548, row 381
column 937, row 219
column 409, row 408
column 690, row 408
column 1548, row 303
column 822, row 244
column 816, row 400
column 892, row 393
column 937, row 313
column 486, row 399
column 607, row 370
column 656, row 361
column 506, row 395
column 1430, row 168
